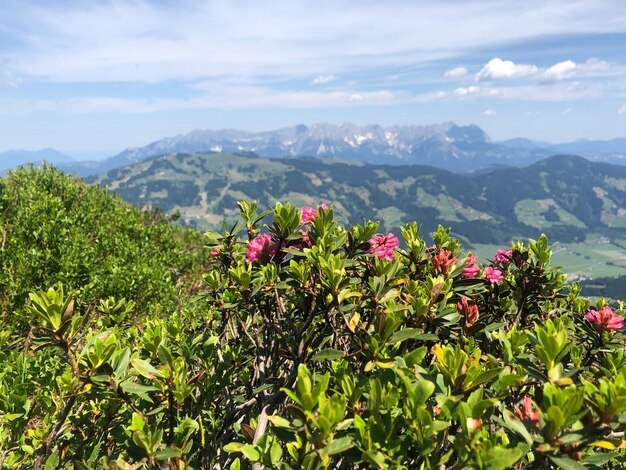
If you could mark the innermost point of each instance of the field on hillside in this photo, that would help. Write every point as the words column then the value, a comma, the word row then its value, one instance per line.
column 597, row 257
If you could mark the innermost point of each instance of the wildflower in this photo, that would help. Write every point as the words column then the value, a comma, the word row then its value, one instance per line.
column 526, row 413
column 215, row 252
column 443, row 260
column 310, row 213
column 470, row 270
column 469, row 312
column 261, row 248
column 502, row 257
column 383, row 245
column 605, row 319
column 492, row 275
column 306, row 241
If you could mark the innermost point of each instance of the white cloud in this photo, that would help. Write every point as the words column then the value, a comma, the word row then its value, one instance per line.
column 560, row 71
column 497, row 69
column 569, row 68
column 219, row 97
column 489, row 113
column 117, row 41
column 566, row 111
column 8, row 76
column 622, row 109
column 456, row 72
column 470, row 90
column 595, row 65
column 321, row 79
column 533, row 113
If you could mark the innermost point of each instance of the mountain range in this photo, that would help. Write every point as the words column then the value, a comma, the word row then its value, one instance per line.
column 461, row 149
column 448, row 146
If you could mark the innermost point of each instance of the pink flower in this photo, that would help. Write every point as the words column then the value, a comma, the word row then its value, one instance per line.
column 383, row 245
column 492, row 275
column 526, row 413
column 469, row 311
column 306, row 241
column 443, row 260
column 605, row 319
column 310, row 213
column 215, row 252
column 502, row 257
column 261, row 249
column 470, row 270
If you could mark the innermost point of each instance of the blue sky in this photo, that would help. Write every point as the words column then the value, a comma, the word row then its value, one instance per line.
column 92, row 78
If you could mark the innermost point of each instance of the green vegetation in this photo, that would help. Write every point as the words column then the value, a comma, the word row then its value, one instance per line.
column 311, row 345
column 570, row 199
column 56, row 229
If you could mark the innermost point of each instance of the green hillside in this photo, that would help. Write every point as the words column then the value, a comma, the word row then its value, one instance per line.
column 572, row 200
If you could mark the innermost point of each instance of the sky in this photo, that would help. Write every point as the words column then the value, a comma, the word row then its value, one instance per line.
column 91, row 78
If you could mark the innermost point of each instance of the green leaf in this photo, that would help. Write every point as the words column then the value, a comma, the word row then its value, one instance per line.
column 328, row 354
column 338, row 446
column 403, row 335
column 249, row 450
column 501, row 458
column 137, row 389
column 52, row 462
column 279, row 422
column 514, row 424
column 486, row 376
column 169, row 453
column 144, row 368
column 276, row 453
column 567, row 463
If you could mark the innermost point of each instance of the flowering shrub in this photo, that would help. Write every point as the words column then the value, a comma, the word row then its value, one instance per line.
column 344, row 351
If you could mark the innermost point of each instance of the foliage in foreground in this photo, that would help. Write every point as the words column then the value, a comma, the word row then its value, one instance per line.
column 326, row 347
column 55, row 228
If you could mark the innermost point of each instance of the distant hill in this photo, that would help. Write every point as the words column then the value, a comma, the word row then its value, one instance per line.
column 564, row 196
column 12, row 158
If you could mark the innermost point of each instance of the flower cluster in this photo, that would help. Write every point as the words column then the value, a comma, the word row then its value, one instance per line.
column 503, row 257
column 494, row 276
column 443, row 260
column 605, row 319
column 471, row 269
column 469, row 312
column 261, row 249
column 383, row 245
column 308, row 214
column 526, row 413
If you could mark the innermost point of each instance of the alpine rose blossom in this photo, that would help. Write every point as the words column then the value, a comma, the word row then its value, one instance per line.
column 526, row 413
column 443, row 260
column 310, row 213
column 470, row 270
column 492, row 275
column 469, row 312
column 605, row 319
column 383, row 245
column 261, row 249
column 502, row 257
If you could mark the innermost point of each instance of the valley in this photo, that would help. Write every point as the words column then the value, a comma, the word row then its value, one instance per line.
column 577, row 203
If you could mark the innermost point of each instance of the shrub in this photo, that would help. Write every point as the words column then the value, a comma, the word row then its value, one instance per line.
column 321, row 346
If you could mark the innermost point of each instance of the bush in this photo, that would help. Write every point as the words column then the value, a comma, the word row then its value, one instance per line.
column 55, row 228
column 327, row 347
